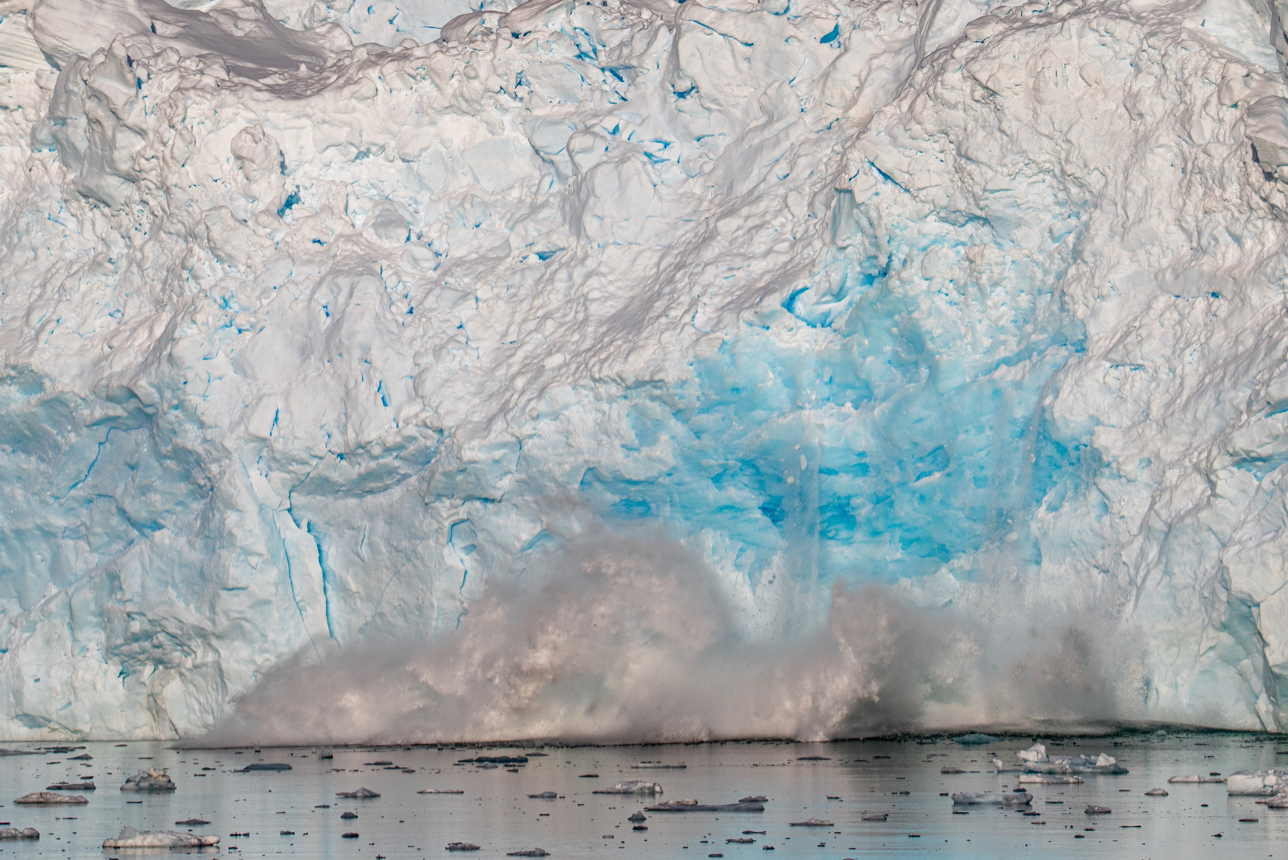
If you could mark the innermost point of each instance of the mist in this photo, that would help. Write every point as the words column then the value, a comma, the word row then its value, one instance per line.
column 626, row 640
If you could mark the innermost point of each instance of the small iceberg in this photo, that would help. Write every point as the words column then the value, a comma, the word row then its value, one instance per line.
column 42, row 798
column 550, row 795
column 1019, row 797
column 631, row 786
column 694, row 806
column 462, row 846
column 657, row 765
column 131, row 838
column 813, row 822
column 360, row 794
column 71, row 786
column 260, row 766
column 1035, row 760
column 152, row 779
column 974, row 739
column 1188, row 778
column 530, row 852
column 1092, row 809
column 1156, row 792
column 7, row 833
column 1049, row 779
column 1260, row 783
column 441, row 791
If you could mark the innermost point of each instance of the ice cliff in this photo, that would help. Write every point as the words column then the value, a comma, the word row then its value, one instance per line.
column 321, row 324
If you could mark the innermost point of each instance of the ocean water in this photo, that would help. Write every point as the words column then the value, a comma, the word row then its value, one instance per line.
column 901, row 778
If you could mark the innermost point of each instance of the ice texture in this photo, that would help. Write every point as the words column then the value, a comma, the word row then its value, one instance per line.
column 321, row 322
column 131, row 838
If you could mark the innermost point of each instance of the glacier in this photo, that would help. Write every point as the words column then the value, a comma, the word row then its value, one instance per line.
column 545, row 369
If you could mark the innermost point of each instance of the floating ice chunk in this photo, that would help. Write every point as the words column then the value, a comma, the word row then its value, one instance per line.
column 7, row 833
column 131, row 838
column 551, row 795
column 637, row 817
column 1049, row 779
column 1260, row 783
column 1035, row 753
column 263, row 766
column 152, row 779
column 462, row 846
column 880, row 816
column 1036, row 760
column 974, row 739
column 530, row 852
column 442, row 791
column 1195, row 778
column 1019, row 797
column 71, row 786
column 37, row 798
column 694, row 806
column 813, row 822
column 657, row 765
column 192, row 822
column 1092, row 809
column 632, row 786
column 361, row 794
column 1156, row 792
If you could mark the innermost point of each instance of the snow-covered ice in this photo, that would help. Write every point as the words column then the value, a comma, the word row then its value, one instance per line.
column 323, row 323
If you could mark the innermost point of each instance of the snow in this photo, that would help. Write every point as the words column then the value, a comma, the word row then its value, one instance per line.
column 319, row 324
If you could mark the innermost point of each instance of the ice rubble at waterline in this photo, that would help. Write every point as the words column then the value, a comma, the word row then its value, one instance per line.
column 318, row 333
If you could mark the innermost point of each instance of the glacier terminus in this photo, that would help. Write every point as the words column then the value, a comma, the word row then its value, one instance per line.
column 641, row 369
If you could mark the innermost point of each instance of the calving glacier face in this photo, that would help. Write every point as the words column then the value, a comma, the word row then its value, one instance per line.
column 323, row 325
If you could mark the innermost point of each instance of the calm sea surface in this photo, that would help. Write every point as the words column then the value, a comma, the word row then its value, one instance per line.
column 901, row 778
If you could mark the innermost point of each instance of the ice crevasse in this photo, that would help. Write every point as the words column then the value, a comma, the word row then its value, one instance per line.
column 317, row 322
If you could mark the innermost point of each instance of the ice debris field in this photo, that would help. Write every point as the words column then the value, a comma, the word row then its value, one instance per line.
column 847, row 799
column 926, row 360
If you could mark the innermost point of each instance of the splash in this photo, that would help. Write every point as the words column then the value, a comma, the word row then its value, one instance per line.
column 632, row 640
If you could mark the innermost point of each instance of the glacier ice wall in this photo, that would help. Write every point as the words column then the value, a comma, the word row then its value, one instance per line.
column 323, row 325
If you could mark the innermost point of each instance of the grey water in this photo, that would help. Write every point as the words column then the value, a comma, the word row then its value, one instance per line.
column 838, row 782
